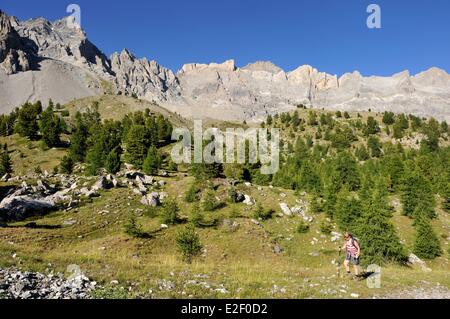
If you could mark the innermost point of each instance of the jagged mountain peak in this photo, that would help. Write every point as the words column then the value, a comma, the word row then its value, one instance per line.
column 265, row 66
column 216, row 90
column 16, row 52
column 229, row 65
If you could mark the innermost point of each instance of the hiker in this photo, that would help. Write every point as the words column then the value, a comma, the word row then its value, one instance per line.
column 351, row 246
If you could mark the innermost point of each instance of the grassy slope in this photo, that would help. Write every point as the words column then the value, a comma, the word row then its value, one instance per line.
column 243, row 261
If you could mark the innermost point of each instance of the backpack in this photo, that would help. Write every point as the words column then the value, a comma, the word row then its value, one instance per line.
column 356, row 240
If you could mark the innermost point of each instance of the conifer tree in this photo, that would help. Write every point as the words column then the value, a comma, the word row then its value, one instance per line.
column 66, row 165
column 5, row 162
column 78, row 142
column 416, row 192
column 27, row 120
column 209, row 201
column 446, row 203
column 426, row 244
column 371, row 127
column 113, row 162
column 376, row 233
column 347, row 211
column 137, row 145
column 51, row 126
column 152, row 162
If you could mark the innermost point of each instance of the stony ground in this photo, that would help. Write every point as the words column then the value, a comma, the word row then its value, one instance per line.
column 16, row 284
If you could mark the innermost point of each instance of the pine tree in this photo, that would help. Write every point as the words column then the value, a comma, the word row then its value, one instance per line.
column 446, row 203
column 347, row 211
column 51, row 126
column 374, row 145
column 196, row 216
column 78, row 143
column 346, row 171
column 426, row 244
column 209, row 201
column 5, row 162
column 152, row 162
column 94, row 160
column 416, row 192
column 378, row 239
column 312, row 118
column 388, row 118
column 66, row 165
column 361, row 153
column 137, row 145
column 307, row 179
column 113, row 162
column 169, row 212
column 371, row 127
column 27, row 120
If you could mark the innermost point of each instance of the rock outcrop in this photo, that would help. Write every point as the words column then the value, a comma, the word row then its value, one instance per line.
column 146, row 79
column 17, row 208
column 16, row 284
column 64, row 40
column 16, row 53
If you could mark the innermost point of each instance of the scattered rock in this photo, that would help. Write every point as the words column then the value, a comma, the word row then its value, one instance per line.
column 414, row 260
column 152, row 199
column 286, row 210
column 15, row 284
column 249, row 201
column 18, row 208
column 102, row 184
column 277, row 249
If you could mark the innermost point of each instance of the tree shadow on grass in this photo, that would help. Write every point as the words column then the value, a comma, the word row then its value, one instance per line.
column 34, row 226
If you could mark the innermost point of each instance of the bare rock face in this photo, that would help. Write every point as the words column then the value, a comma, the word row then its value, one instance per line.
column 144, row 78
column 64, row 40
column 64, row 65
column 15, row 53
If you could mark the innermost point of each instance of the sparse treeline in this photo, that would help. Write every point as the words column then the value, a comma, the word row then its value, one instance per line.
column 105, row 145
column 352, row 169
column 31, row 121
column 351, row 173
column 100, row 145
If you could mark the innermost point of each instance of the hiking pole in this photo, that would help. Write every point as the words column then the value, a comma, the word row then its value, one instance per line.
column 338, row 264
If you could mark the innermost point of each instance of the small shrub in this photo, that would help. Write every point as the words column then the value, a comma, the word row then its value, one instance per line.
column 191, row 194
column 302, row 228
column 43, row 146
column 169, row 213
column 188, row 242
column 151, row 212
column 65, row 113
column 326, row 227
column 66, row 166
column 133, row 228
column 316, row 206
column 232, row 195
column 38, row 170
column 262, row 214
column 196, row 217
column 209, row 202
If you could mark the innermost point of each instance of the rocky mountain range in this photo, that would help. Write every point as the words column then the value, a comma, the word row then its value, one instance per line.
column 40, row 60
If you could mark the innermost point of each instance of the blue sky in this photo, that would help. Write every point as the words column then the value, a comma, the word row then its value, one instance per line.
column 331, row 35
